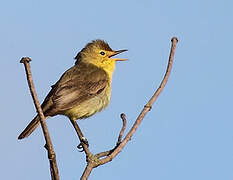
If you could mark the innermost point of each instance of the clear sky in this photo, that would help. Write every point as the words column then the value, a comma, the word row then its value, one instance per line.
column 187, row 135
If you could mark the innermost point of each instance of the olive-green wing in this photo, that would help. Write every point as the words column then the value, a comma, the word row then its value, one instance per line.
column 76, row 85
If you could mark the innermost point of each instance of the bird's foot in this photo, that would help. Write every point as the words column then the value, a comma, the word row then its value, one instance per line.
column 83, row 141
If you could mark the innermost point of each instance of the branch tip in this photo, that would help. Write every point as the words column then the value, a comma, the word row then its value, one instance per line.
column 174, row 39
column 123, row 117
column 25, row 60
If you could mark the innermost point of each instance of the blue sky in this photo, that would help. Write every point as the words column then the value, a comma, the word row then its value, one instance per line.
column 187, row 135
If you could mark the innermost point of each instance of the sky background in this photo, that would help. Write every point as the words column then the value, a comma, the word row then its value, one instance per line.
column 187, row 134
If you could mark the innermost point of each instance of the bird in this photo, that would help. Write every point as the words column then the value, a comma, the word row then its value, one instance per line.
column 82, row 90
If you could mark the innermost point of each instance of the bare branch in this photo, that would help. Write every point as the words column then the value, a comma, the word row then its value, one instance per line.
column 87, row 172
column 49, row 146
column 146, row 108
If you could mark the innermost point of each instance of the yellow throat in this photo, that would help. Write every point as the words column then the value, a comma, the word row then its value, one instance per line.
column 99, row 53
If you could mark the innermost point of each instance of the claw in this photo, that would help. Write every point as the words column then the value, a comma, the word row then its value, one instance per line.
column 80, row 146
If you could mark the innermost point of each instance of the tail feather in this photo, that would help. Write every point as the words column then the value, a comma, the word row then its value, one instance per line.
column 30, row 128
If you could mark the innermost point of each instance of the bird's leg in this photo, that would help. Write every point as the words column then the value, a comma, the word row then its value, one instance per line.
column 83, row 140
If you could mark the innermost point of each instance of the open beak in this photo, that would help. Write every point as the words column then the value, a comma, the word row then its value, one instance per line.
column 113, row 53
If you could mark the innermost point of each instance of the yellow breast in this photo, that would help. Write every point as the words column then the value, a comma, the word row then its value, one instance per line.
column 90, row 106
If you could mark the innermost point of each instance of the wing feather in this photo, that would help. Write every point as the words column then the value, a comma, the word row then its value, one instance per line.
column 79, row 83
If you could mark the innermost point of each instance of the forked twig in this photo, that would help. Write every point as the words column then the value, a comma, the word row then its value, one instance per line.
column 94, row 161
column 48, row 145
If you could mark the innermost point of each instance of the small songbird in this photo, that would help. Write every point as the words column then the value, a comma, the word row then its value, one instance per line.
column 82, row 90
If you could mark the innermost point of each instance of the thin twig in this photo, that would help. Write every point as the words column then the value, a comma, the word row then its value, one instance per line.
column 103, row 154
column 49, row 146
column 106, row 153
column 123, row 117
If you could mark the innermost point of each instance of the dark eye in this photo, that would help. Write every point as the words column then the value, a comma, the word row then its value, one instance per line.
column 102, row 53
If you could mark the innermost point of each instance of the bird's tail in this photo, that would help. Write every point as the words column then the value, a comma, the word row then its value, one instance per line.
column 30, row 127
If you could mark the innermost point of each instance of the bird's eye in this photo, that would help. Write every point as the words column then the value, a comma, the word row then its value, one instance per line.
column 102, row 53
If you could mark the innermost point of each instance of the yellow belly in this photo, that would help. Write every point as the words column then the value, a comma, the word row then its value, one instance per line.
column 90, row 106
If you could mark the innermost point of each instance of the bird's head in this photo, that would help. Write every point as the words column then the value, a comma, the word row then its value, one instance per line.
column 99, row 53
